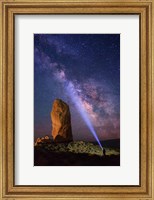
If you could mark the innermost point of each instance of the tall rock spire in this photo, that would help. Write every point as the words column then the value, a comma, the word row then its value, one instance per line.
column 61, row 122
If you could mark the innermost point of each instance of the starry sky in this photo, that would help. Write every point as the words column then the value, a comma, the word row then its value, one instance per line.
column 84, row 65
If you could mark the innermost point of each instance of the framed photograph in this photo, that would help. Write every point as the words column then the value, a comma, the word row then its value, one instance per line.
column 76, row 99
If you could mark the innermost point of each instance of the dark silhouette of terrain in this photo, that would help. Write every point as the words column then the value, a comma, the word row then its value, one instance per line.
column 45, row 158
column 75, row 153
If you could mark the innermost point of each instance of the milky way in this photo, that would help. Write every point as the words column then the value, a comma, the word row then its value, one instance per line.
column 90, row 63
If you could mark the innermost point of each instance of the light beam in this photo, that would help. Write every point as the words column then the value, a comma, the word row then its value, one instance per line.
column 78, row 103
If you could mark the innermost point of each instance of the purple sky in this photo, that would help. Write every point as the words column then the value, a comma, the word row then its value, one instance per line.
column 90, row 65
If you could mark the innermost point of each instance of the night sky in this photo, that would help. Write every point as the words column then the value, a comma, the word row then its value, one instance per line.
column 85, row 65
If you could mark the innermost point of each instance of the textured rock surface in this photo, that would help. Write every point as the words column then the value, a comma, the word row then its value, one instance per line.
column 43, row 140
column 61, row 122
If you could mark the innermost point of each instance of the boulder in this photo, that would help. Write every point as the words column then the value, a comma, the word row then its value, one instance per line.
column 43, row 140
column 38, row 141
column 46, row 137
column 61, row 122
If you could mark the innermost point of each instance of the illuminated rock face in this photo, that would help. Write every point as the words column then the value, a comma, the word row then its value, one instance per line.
column 61, row 122
column 43, row 140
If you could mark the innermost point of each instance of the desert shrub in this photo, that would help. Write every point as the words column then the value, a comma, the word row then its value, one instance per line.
column 74, row 147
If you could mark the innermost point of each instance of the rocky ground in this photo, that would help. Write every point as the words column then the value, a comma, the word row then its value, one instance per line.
column 77, row 153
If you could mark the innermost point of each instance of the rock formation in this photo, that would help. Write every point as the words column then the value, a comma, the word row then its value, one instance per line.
column 61, row 122
column 43, row 140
